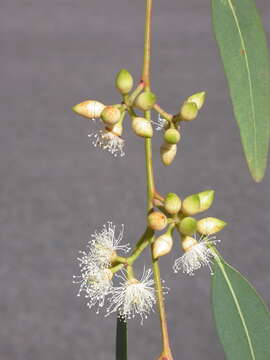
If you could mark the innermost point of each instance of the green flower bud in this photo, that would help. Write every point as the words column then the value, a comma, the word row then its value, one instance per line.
column 198, row 99
column 124, row 81
column 157, row 221
column 90, row 109
column 206, row 199
column 188, row 226
column 168, row 153
column 162, row 245
column 111, row 115
column 172, row 136
column 189, row 111
column 191, row 205
column 197, row 203
column 142, row 127
column 172, row 203
column 210, row 225
column 145, row 101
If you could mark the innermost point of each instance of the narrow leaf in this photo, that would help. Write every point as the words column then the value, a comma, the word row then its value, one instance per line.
column 243, row 48
column 121, row 340
column 242, row 318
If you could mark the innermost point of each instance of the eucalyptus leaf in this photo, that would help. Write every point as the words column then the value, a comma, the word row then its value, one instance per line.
column 243, row 48
column 121, row 339
column 242, row 319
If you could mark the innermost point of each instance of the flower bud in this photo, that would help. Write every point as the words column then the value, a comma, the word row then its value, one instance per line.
column 142, row 127
column 145, row 101
column 191, row 205
column 172, row 203
column 111, row 115
column 157, row 221
column 210, row 225
column 172, row 136
column 109, row 274
column 189, row 111
column 117, row 129
column 188, row 242
column 188, row 226
column 198, row 99
column 162, row 245
column 206, row 199
column 124, row 81
column 90, row 109
column 168, row 153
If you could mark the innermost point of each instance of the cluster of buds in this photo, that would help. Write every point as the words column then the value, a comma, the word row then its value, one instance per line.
column 196, row 235
column 172, row 135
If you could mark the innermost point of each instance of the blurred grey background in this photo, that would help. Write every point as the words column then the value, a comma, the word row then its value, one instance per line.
column 56, row 188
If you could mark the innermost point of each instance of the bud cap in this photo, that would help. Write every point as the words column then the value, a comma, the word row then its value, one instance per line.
column 168, row 153
column 111, row 115
column 189, row 111
column 124, row 81
column 210, row 225
column 162, row 245
column 142, row 127
column 145, row 101
column 198, row 99
column 172, row 136
column 188, row 226
column 191, row 205
column 172, row 203
column 157, row 220
column 90, row 109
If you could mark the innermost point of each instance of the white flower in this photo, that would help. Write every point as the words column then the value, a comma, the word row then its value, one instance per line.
column 133, row 297
column 95, row 283
column 197, row 254
column 108, row 140
column 160, row 124
column 105, row 244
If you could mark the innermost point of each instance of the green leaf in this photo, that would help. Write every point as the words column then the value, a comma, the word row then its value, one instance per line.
column 243, row 48
column 121, row 339
column 242, row 318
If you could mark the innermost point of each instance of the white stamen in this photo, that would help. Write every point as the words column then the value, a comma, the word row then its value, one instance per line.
column 196, row 256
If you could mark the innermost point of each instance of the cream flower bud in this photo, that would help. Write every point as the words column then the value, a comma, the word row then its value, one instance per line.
column 145, row 101
column 198, row 99
column 142, row 127
column 168, row 153
column 157, row 221
column 172, row 203
column 90, row 109
column 124, row 81
column 172, row 136
column 188, row 242
column 188, row 226
column 210, row 225
column 162, row 245
column 191, row 205
column 116, row 129
column 189, row 111
column 111, row 115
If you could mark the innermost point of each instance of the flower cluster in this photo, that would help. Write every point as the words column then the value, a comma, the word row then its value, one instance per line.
column 132, row 297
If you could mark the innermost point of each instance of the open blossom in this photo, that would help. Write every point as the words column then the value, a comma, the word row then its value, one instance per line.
column 108, row 140
column 133, row 297
column 105, row 244
column 197, row 254
column 95, row 284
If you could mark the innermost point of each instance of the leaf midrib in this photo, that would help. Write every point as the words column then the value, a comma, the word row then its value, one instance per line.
column 238, row 307
column 249, row 81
